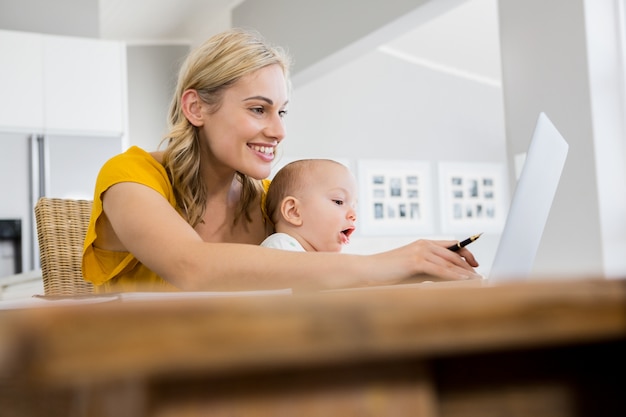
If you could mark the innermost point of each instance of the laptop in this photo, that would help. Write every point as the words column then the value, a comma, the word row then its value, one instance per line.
column 530, row 205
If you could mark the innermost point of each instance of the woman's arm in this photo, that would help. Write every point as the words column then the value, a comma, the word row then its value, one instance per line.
column 146, row 225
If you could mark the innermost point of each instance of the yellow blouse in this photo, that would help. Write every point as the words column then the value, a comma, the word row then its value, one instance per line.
column 112, row 271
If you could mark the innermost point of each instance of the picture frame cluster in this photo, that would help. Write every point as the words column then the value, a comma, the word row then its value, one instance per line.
column 398, row 197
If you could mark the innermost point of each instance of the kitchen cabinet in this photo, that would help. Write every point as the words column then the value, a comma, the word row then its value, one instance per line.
column 21, row 81
column 84, row 85
column 62, row 85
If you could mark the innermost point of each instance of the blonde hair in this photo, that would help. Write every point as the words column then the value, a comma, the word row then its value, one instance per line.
column 289, row 181
column 210, row 69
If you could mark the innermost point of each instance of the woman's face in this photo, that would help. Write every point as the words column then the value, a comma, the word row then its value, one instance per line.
column 243, row 133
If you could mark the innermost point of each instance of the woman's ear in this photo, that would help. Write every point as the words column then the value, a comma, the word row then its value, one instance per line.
column 192, row 107
column 290, row 210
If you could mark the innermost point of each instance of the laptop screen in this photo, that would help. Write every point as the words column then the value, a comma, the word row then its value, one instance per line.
column 530, row 205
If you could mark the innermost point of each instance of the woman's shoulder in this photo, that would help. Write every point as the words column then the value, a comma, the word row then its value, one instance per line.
column 138, row 154
column 134, row 165
column 156, row 155
column 135, row 158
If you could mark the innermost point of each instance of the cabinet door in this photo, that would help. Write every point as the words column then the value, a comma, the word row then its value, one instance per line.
column 21, row 81
column 84, row 86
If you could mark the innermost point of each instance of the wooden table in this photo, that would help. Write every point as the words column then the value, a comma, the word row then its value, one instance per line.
column 531, row 349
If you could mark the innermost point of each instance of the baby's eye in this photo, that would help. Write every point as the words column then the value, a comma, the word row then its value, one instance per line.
column 338, row 202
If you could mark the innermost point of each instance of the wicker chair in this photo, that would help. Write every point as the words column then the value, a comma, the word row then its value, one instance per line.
column 61, row 228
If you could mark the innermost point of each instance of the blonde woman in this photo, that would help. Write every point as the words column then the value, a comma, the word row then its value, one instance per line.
column 190, row 217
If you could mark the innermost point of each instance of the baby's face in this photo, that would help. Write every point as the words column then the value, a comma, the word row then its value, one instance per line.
column 328, row 208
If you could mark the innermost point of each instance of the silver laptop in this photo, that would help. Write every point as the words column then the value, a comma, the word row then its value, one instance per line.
column 530, row 205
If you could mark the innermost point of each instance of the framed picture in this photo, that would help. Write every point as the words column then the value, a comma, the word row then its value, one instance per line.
column 474, row 197
column 395, row 197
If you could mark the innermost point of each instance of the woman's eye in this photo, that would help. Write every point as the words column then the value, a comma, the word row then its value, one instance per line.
column 282, row 113
column 258, row 110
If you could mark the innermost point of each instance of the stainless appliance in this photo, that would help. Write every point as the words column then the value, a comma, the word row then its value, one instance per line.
column 35, row 165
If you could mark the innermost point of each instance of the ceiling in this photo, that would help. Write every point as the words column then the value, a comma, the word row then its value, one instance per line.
column 462, row 42
column 162, row 21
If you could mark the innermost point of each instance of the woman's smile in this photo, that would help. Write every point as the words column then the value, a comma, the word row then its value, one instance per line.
column 266, row 152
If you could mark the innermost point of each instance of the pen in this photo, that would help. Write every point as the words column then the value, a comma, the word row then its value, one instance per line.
column 464, row 243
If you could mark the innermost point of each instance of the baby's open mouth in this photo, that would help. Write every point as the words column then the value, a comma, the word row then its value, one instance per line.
column 347, row 232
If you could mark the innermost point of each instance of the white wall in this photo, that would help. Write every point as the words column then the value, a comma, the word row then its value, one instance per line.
column 362, row 111
column 550, row 68
column 152, row 72
column 606, row 46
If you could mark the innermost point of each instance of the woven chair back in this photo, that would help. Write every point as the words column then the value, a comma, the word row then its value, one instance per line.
column 61, row 228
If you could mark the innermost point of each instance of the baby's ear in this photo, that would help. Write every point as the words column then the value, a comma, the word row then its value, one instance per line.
column 290, row 210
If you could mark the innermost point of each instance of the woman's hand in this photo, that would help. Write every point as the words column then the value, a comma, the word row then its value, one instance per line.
column 431, row 258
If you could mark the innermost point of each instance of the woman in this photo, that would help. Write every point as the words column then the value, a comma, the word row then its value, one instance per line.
column 189, row 217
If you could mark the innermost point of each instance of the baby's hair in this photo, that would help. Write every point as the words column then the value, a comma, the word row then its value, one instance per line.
column 290, row 180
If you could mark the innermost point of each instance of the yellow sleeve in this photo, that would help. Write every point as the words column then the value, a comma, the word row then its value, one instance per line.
column 101, row 266
column 266, row 186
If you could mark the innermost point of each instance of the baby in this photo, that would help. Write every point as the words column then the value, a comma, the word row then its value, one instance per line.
column 312, row 204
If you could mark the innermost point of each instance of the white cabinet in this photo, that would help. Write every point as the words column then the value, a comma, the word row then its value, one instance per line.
column 84, row 85
column 62, row 85
column 21, row 81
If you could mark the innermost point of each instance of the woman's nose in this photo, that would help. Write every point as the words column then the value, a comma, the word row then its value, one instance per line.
column 276, row 128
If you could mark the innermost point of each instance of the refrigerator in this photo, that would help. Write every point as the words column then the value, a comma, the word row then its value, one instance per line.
column 34, row 165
